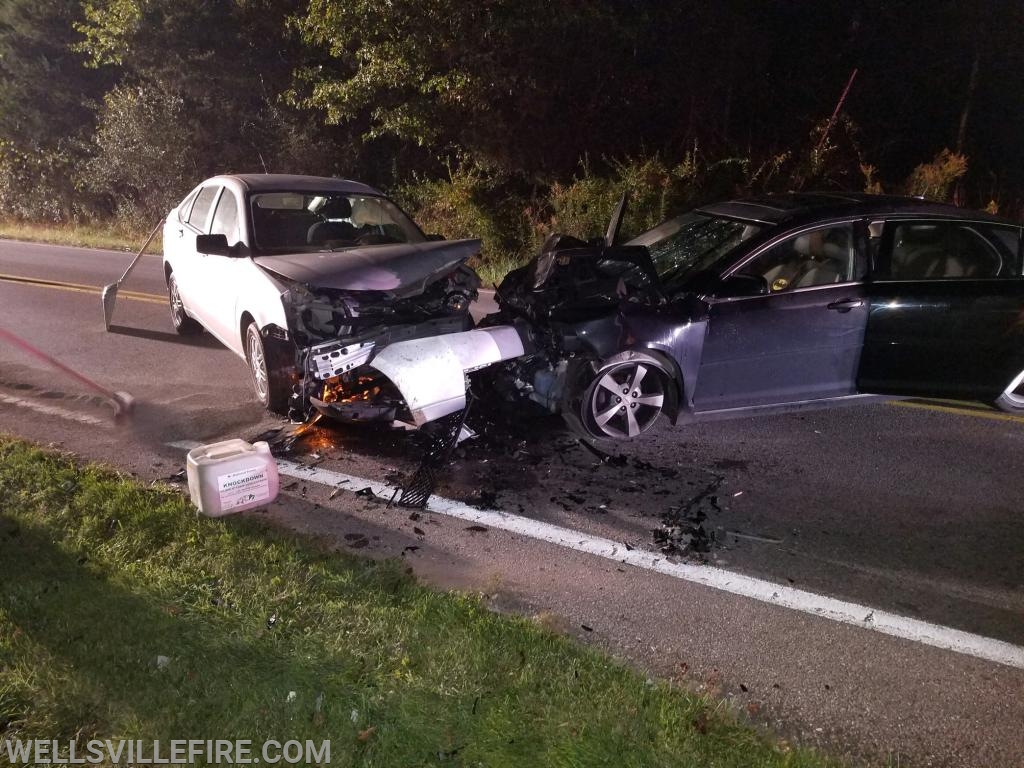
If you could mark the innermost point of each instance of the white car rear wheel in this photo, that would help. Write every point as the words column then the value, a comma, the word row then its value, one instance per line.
column 180, row 319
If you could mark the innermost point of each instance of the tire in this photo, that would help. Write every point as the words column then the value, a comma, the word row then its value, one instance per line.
column 1012, row 398
column 622, row 400
column 182, row 323
column 269, row 369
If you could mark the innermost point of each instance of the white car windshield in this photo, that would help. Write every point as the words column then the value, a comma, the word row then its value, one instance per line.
column 308, row 221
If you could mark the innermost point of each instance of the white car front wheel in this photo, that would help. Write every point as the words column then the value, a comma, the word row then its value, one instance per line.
column 269, row 369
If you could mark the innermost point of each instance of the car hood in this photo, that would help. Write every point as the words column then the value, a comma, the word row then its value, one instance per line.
column 399, row 270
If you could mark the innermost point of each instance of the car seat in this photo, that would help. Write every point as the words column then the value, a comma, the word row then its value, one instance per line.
column 329, row 228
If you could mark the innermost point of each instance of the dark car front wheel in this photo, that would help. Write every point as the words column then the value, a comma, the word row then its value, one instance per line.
column 270, row 370
column 623, row 400
column 1012, row 399
column 182, row 323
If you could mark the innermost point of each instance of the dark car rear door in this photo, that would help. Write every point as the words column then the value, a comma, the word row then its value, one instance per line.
column 946, row 310
column 800, row 342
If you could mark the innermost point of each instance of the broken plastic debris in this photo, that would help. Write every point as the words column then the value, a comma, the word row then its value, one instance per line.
column 162, row 662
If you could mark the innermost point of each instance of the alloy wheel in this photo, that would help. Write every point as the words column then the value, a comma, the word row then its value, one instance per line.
column 258, row 364
column 626, row 400
column 177, row 307
column 1015, row 392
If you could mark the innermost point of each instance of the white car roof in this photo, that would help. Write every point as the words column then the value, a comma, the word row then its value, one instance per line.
column 281, row 182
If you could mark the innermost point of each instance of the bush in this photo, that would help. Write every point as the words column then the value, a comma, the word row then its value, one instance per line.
column 936, row 180
column 656, row 189
column 144, row 157
column 474, row 203
column 38, row 185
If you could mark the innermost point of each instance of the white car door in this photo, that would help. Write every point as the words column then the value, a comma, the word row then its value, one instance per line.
column 221, row 273
column 189, row 266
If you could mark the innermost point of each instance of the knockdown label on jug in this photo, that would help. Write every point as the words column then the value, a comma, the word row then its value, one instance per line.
column 244, row 487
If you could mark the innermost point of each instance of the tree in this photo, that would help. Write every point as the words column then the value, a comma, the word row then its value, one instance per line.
column 46, row 94
column 522, row 85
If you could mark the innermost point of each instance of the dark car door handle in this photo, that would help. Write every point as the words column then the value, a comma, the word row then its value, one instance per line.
column 845, row 305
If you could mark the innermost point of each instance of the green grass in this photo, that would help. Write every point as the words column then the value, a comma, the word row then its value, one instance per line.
column 99, row 576
column 84, row 235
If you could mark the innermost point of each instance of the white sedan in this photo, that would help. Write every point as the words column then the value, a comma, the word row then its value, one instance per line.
column 333, row 296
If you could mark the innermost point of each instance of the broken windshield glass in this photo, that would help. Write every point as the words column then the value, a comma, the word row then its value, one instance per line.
column 691, row 243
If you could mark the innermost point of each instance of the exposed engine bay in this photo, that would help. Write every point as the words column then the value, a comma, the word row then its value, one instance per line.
column 337, row 333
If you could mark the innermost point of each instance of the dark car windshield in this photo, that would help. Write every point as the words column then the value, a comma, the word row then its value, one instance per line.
column 691, row 243
column 311, row 221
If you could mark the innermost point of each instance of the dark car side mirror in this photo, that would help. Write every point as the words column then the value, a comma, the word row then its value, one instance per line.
column 741, row 285
column 434, row 237
column 215, row 245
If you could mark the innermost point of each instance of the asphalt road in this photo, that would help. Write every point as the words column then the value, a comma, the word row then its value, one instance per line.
column 912, row 508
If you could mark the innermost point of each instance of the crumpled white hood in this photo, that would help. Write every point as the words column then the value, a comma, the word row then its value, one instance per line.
column 400, row 270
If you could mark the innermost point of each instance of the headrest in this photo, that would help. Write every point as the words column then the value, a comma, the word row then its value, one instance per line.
column 336, row 208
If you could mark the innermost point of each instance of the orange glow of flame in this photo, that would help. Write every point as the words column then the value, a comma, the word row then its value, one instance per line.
column 362, row 389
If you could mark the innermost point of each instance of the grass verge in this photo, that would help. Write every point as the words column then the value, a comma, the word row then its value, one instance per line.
column 82, row 235
column 100, row 576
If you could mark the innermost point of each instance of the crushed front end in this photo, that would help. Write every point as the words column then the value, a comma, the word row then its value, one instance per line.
column 337, row 333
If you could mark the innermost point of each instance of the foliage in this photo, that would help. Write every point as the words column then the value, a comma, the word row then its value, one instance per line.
column 473, row 202
column 37, row 185
column 935, row 180
column 484, row 114
column 46, row 95
column 143, row 168
column 519, row 85
column 107, row 28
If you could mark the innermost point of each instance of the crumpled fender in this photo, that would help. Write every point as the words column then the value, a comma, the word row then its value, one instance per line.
column 431, row 373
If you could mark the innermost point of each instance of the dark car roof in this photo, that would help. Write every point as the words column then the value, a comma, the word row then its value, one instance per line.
column 278, row 182
column 800, row 207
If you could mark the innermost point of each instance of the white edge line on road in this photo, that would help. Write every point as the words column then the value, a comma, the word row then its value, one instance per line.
column 52, row 410
column 781, row 595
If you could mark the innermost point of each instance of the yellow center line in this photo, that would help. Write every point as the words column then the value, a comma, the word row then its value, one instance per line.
column 38, row 282
column 961, row 411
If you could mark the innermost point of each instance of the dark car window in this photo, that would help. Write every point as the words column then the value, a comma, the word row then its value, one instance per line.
column 201, row 208
column 225, row 219
column 820, row 257
column 945, row 250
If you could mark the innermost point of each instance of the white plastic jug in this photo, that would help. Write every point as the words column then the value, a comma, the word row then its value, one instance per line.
column 231, row 476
